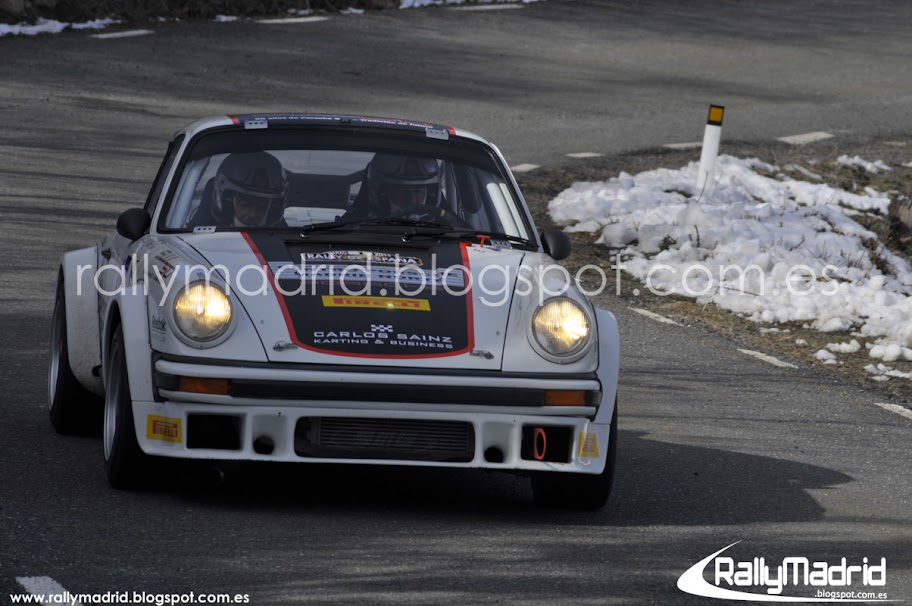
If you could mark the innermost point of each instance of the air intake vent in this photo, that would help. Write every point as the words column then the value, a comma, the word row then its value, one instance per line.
column 410, row 440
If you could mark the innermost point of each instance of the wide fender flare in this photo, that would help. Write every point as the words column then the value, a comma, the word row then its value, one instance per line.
column 82, row 333
column 609, row 346
column 131, row 312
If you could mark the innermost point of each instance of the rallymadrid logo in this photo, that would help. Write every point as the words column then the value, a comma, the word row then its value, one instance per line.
column 829, row 582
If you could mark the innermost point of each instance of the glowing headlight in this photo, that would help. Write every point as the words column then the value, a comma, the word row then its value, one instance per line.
column 202, row 312
column 561, row 327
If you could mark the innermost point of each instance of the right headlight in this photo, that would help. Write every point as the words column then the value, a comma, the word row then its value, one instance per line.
column 561, row 327
column 202, row 312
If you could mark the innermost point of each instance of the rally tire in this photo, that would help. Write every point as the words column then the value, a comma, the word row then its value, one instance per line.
column 126, row 465
column 580, row 491
column 73, row 410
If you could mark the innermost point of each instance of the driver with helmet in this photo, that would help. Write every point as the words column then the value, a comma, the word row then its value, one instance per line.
column 248, row 190
column 400, row 187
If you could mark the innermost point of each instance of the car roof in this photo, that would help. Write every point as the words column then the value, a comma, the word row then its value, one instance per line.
column 265, row 120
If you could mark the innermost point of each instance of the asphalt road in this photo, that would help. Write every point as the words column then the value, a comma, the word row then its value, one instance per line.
column 714, row 447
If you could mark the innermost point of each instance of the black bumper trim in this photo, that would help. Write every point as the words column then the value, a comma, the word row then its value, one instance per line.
column 384, row 370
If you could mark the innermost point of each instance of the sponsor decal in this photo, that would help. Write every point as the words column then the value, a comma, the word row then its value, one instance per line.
column 375, row 302
column 158, row 324
column 383, row 336
column 588, row 445
column 759, row 580
column 345, row 303
column 165, row 263
column 307, row 275
column 359, row 256
column 166, row 429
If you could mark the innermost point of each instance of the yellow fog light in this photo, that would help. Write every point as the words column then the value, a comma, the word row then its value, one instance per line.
column 561, row 327
column 202, row 312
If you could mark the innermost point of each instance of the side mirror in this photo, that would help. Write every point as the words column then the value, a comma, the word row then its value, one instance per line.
column 556, row 243
column 133, row 223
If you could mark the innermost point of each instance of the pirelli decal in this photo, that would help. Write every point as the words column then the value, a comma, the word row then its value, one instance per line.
column 166, row 429
column 588, row 445
column 377, row 302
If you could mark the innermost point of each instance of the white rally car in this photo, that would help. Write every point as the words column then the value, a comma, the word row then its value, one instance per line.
column 337, row 289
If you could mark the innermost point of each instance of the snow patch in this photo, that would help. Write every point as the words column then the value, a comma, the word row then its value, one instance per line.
column 773, row 250
column 50, row 26
column 420, row 3
column 871, row 167
column 852, row 346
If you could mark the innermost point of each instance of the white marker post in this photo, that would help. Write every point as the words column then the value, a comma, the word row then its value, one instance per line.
column 711, row 138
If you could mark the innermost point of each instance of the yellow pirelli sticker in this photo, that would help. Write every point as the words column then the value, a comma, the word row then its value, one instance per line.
column 376, row 302
column 165, row 429
column 588, row 445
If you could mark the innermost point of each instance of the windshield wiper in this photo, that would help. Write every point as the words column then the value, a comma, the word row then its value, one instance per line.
column 328, row 225
column 404, row 222
column 392, row 221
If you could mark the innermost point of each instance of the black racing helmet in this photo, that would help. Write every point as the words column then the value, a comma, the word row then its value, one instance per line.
column 250, row 189
column 389, row 175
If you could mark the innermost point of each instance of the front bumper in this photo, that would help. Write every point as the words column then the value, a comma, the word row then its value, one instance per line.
column 370, row 430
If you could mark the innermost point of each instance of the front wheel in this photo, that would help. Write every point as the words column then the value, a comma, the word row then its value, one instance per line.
column 578, row 490
column 72, row 408
column 126, row 465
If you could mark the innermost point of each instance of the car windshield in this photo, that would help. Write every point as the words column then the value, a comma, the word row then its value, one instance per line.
column 266, row 187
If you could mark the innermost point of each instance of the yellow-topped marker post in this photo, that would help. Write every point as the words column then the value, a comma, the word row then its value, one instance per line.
column 711, row 137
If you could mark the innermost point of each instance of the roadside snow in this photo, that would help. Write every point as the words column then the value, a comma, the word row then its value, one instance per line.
column 772, row 250
column 49, row 26
column 872, row 167
column 825, row 356
column 804, row 171
column 225, row 19
column 852, row 346
column 420, row 3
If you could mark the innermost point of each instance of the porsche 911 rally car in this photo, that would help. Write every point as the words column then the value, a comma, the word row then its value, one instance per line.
column 337, row 289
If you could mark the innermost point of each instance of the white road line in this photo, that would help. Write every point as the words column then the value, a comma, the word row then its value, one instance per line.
column 691, row 145
column 903, row 412
column 292, row 20
column 523, row 168
column 127, row 34
column 766, row 358
column 585, row 155
column 46, row 587
column 805, row 138
column 486, row 7
column 654, row 316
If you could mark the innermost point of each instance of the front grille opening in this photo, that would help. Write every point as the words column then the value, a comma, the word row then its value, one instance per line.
column 216, row 432
column 399, row 439
column 546, row 443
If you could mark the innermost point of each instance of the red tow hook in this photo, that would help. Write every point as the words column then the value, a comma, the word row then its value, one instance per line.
column 539, row 454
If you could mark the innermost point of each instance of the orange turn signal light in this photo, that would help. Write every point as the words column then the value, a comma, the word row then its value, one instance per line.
column 565, row 397
column 215, row 387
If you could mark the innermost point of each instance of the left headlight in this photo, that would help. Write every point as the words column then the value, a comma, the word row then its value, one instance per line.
column 202, row 312
column 561, row 327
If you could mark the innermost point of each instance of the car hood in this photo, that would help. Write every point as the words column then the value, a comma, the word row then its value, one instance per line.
column 424, row 304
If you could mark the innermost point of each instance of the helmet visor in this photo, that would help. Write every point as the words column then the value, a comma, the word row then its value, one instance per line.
column 405, row 195
column 251, row 209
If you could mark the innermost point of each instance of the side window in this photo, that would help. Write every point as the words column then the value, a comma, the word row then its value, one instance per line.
column 162, row 175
